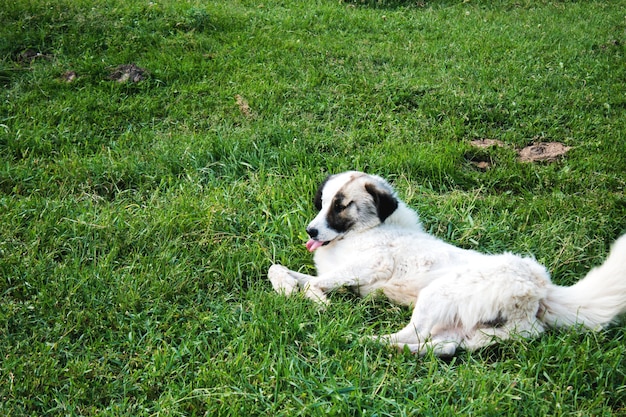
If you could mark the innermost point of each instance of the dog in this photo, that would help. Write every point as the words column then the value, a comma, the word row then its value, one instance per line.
column 365, row 238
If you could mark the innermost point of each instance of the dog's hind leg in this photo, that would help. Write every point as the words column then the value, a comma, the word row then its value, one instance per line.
column 434, row 325
column 409, row 335
column 484, row 337
column 417, row 332
column 441, row 344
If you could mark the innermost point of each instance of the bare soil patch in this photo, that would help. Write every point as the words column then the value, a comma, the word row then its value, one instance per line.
column 543, row 152
column 480, row 158
column 537, row 152
column 128, row 72
column 243, row 105
column 29, row 55
column 487, row 143
column 69, row 76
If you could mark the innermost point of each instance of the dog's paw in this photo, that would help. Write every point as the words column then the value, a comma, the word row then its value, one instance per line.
column 282, row 282
column 316, row 295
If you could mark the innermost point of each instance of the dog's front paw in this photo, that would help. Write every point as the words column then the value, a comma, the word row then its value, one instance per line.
column 282, row 282
column 316, row 295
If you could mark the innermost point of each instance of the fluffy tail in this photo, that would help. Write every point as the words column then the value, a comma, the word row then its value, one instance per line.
column 595, row 300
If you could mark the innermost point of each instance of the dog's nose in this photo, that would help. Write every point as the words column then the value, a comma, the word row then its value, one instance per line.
column 312, row 231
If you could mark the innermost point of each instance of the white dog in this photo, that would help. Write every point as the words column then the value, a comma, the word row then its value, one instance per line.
column 365, row 238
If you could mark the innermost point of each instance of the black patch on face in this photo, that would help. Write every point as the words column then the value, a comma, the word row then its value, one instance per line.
column 338, row 218
column 384, row 201
column 317, row 200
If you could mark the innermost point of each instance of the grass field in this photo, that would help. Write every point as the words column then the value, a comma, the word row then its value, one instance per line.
column 138, row 219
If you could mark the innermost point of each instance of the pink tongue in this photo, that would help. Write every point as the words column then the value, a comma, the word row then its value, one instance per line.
column 311, row 245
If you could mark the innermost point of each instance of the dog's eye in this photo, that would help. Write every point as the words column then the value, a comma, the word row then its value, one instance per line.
column 338, row 206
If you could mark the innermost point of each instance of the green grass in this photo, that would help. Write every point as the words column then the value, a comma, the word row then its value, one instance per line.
column 138, row 221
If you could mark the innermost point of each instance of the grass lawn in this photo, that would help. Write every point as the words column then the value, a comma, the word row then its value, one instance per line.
column 141, row 206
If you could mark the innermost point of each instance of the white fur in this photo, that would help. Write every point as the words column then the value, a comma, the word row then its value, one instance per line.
column 461, row 298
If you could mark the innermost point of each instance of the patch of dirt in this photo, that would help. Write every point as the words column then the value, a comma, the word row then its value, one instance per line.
column 537, row 152
column 487, row 143
column 481, row 158
column 69, row 76
column 128, row 72
column 243, row 105
column 27, row 56
column 482, row 165
column 543, row 151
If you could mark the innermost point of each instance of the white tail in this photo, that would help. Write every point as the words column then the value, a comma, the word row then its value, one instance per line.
column 595, row 300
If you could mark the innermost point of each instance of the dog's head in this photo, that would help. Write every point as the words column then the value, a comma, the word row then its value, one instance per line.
column 349, row 202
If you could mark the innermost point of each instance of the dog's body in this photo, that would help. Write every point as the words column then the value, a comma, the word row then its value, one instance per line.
column 365, row 238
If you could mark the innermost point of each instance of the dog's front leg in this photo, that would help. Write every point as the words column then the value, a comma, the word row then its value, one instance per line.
column 285, row 281
column 360, row 277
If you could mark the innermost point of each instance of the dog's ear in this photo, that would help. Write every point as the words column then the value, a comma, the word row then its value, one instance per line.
column 384, row 201
column 317, row 200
